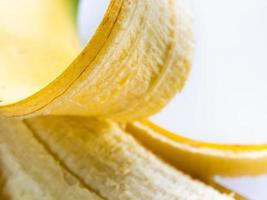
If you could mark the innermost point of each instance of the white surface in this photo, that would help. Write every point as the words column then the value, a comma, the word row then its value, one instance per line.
column 224, row 99
column 250, row 187
column 89, row 17
column 226, row 95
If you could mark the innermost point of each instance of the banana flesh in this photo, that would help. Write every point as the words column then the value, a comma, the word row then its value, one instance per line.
column 110, row 161
column 29, row 172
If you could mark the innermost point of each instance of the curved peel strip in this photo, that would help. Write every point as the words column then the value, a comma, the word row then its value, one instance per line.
column 136, row 61
column 201, row 159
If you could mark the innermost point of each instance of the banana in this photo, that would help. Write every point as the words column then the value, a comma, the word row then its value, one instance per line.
column 139, row 57
column 111, row 162
column 200, row 159
column 29, row 172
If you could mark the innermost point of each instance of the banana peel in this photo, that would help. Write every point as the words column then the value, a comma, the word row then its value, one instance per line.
column 201, row 159
column 139, row 57
column 139, row 50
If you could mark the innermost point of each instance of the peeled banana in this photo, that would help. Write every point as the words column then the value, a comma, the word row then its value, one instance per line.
column 138, row 58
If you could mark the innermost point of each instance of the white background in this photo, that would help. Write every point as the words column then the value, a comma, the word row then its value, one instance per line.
column 225, row 97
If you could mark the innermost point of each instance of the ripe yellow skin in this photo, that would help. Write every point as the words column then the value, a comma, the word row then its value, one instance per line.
column 201, row 159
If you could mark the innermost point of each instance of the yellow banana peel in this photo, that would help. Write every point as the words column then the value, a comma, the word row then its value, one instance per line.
column 201, row 159
column 136, row 61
